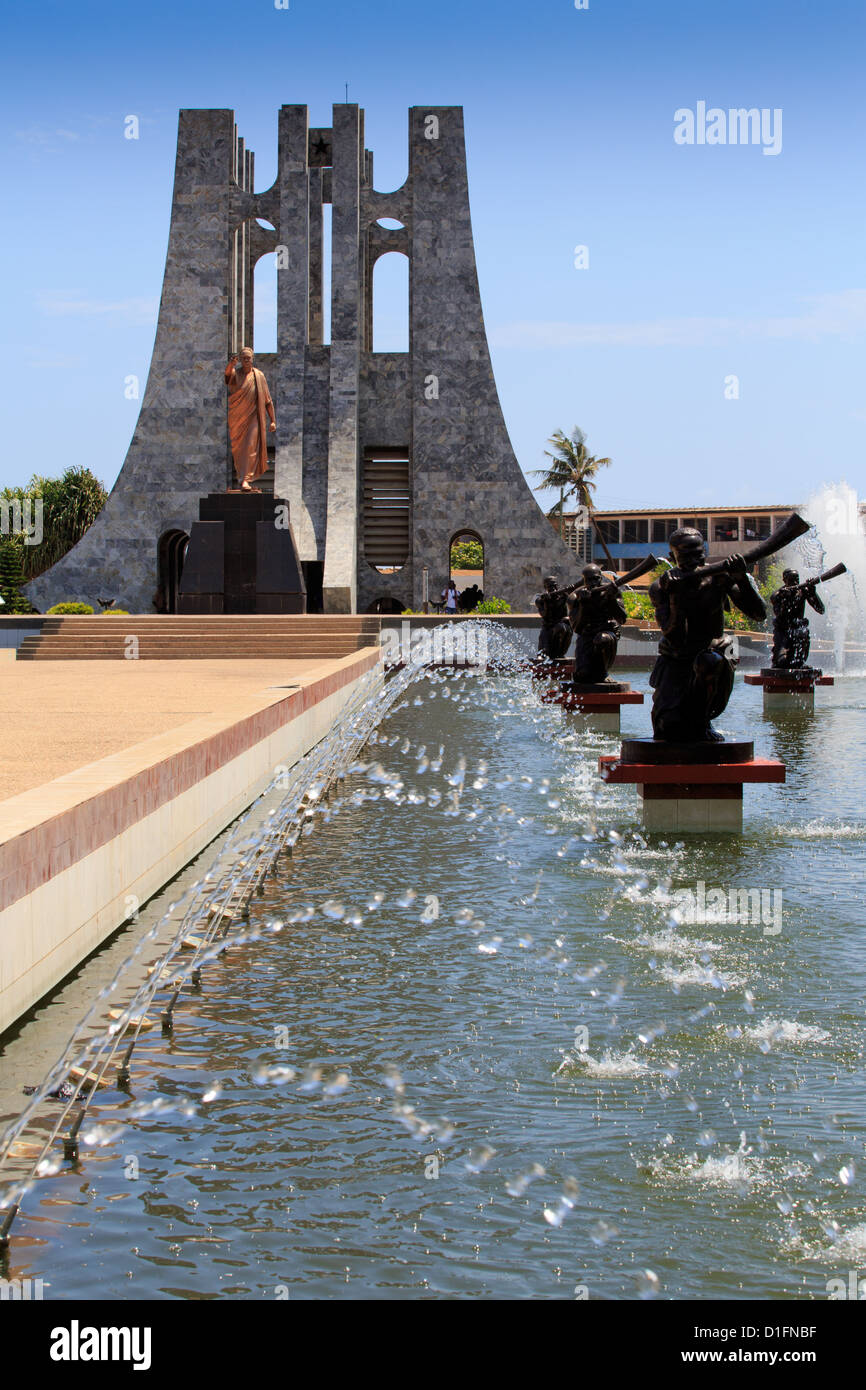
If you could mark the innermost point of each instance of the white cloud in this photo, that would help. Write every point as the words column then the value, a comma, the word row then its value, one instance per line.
column 841, row 315
column 72, row 305
column 47, row 139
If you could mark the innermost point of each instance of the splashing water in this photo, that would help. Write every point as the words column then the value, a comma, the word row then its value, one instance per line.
column 837, row 535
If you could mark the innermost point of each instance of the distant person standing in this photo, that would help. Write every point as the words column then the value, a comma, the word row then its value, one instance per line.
column 469, row 599
column 449, row 597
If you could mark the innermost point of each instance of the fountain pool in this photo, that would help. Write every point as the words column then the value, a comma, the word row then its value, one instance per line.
column 476, row 1047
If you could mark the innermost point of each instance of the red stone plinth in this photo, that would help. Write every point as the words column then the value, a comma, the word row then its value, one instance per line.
column 789, row 690
column 591, row 701
column 601, row 704
column 543, row 670
column 690, row 786
column 793, row 684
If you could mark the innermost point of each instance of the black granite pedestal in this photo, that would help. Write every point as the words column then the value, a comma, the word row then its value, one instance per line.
column 242, row 557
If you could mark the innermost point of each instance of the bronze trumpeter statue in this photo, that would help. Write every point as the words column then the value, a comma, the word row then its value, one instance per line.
column 554, row 639
column 693, row 676
column 791, row 637
column 597, row 611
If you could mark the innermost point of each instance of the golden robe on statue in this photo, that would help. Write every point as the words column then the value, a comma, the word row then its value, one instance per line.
column 249, row 398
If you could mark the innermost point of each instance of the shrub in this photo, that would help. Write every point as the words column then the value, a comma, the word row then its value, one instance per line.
column 80, row 609
column 735, row 621
column 492, row 605
column 638, row 606
column 117, row 613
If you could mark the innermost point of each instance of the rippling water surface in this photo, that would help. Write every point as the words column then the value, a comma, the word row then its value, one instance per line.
column 486, row 1056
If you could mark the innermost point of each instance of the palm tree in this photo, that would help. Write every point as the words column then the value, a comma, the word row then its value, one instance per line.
column 573, row 471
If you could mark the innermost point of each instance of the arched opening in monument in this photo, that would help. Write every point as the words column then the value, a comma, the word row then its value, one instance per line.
column 386, row 604
column 387, row 509
column 466, row 566
column 265, row 304
column 391, row 166
column 171, row 555
column 391, row 303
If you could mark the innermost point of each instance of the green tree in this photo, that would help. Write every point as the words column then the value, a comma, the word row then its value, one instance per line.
column 70, row 505
column 572, row 471
column 467, row 555
column 772, row 581
column 11, row 577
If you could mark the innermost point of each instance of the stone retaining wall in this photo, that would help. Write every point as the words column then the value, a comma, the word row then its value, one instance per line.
column 80, row 854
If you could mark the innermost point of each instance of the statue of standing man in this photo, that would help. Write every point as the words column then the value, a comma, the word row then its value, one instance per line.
column 249, row 404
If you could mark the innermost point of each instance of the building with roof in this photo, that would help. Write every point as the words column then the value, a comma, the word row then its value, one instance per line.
column 631, row 533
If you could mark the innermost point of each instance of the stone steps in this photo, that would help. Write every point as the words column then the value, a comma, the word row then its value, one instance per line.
column 177, row 654
column 120, row 630
column 225, row 637
column 278, row 622
column 206, row 638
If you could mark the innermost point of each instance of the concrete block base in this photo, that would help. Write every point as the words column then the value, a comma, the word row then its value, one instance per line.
column 698, row 814
column 605, row 721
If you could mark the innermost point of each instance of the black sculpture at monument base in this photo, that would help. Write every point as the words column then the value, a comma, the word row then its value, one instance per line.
column 242, row 558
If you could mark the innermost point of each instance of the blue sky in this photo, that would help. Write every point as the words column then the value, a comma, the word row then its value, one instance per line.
column 705, row 261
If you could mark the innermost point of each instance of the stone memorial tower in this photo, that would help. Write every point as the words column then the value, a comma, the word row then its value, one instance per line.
column 384, row 457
